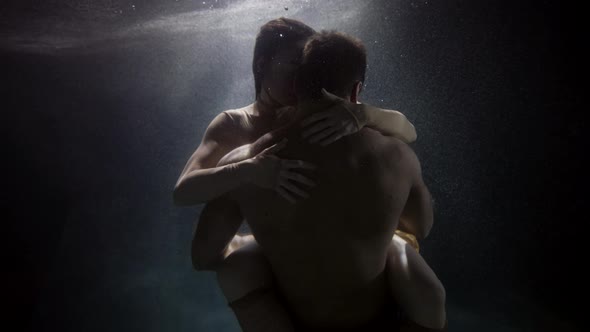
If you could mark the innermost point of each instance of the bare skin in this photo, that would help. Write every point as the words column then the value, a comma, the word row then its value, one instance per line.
column 329, row 253
column 235, row 128
column 421, row 297
column 203, row 180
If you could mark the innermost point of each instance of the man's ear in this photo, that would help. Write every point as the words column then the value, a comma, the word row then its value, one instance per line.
column 356, row 91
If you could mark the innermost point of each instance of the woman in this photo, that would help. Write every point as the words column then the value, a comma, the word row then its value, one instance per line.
column 225, row 160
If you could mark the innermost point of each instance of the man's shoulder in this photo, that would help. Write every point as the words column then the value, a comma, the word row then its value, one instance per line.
column 386, row 147
column 374, row 137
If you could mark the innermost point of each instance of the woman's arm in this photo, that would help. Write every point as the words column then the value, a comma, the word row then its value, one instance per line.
column 216, row 168
column 201, row 180
column 272, row 172
column 345, row 118
column 201, row 185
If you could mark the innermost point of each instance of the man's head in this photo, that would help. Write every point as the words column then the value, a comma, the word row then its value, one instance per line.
column 334, row 61
column 277, row 54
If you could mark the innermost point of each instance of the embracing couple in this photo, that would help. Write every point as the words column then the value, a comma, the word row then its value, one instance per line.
column 333, row 195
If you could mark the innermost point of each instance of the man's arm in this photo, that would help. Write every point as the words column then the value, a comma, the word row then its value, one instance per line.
column 417, row 216
column 201, row 180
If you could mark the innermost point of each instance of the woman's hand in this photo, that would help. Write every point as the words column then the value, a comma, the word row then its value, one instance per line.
column 341, row 119
column 272, row 172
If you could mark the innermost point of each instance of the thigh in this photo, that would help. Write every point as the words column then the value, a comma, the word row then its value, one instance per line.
column 414, row 285
column 244, row 271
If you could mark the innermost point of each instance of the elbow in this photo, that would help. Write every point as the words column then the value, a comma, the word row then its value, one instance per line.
column 199, row 263
column 200, row 266
column 203, row 263
column 422, row 226
column 426, row 216
column 178, row 196
column 202, row 257
column 413, row 135
column 424, row 231
column 182, row 197
column 421, row 234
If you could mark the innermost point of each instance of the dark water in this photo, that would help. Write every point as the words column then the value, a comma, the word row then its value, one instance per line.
column 102, row 108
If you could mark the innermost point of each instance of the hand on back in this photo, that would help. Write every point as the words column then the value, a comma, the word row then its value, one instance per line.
column 337, row 121
column 280, row 175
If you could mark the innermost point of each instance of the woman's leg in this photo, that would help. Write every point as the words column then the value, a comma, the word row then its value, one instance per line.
column 415, row 287
column 246, row 280
column 244, row 270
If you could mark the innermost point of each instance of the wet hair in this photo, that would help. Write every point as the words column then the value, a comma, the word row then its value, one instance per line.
column 272, row 37
column 331, row 60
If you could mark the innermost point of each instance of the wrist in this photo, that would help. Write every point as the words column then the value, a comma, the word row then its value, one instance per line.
column 366, row 112
column 362, row 114
column 244, row 170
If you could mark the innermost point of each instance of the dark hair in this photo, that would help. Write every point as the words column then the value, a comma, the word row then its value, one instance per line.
column 331, row 60
column 272, row 36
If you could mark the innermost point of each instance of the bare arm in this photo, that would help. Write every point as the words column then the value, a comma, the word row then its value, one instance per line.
column 201, row 180
column 236, row 155
column 215, row 237
column 219, row 221
column 344, row 118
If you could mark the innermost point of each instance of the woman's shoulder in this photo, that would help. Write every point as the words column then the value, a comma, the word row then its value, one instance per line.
column 240, row 116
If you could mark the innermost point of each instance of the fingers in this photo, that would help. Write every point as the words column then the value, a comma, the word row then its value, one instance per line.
column 292, row 188
column 323, row 135
column 286, row 195
column 316, row 128
column 288, row 164
column 331, row 139
column 285, row 187
column 315, row 117
column 297, row 177
column 275, row 147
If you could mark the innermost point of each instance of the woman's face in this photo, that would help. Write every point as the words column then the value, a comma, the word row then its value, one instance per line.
column 280, row 74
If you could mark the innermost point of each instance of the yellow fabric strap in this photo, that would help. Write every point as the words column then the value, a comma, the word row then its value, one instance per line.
column 410, row 238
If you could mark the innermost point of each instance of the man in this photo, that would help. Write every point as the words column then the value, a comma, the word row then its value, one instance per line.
column 329, row 252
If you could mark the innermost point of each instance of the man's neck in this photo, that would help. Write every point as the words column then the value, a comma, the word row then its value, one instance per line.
column 307, row 107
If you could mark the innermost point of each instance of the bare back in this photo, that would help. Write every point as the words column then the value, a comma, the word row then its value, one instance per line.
column 328, row 252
